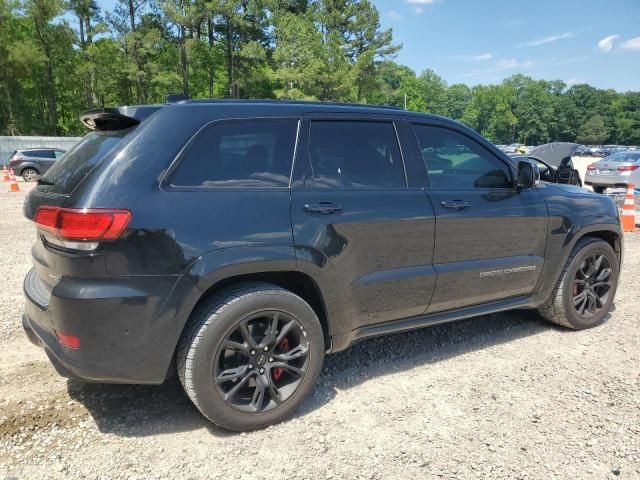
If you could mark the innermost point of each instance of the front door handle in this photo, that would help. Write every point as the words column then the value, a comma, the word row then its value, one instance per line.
column 325, row 208
column 455, row 204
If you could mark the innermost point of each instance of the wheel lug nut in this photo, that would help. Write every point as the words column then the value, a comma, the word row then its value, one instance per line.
column 252, row 352
column 261, row 370
column 270, row 359
column 266, row 349
column 251, row 365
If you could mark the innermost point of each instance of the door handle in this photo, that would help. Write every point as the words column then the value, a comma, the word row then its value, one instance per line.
column 455, row 204
column 325, row 208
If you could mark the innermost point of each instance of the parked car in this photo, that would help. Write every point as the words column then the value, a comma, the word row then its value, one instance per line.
column 239, row 242
column 565, row 172
column 615, row 171
column 513, row 148
column 29, row 162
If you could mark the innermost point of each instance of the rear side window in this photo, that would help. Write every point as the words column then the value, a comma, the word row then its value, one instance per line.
column 68, row 172
column 454, row 161
column 240, row 153
column 355, row 154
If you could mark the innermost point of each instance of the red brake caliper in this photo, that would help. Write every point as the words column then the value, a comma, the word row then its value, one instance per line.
column 283, row 348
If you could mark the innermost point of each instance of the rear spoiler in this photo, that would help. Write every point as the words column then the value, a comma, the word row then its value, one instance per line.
column 116, row 118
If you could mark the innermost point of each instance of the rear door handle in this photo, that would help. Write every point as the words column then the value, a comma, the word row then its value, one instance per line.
column 455, row 204
column 325, row 208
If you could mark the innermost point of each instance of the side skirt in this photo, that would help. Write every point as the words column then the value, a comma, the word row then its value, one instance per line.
column 344, row 341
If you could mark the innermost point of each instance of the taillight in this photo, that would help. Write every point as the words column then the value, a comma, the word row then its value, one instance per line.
column 68, row 340
column 82, row 224
column 628, row 168
column 591, row 168
column 15, row 159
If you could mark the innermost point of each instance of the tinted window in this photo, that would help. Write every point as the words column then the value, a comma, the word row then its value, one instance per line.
column 31, row 153
column 455, row 161
column 67, row 173
column 247, row 153
column 349, row 154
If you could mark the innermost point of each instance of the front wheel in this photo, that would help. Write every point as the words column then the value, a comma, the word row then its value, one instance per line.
column 250, row 356
column 28, row 174
column 586, row 288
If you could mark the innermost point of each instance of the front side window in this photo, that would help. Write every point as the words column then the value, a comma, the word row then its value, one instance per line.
column 454, row 161
column 355, row 154
column 243, row 153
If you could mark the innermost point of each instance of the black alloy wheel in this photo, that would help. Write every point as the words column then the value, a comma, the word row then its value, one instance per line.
column 592, row 284
column 261, row 362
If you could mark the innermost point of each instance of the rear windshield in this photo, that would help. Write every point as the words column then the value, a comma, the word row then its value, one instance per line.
column 624, row 157
column 73, row 166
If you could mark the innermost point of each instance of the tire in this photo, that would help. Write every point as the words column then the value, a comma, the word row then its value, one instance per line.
column 201, row 353
column 598, row 189
column 560, row 308
column 28, row 173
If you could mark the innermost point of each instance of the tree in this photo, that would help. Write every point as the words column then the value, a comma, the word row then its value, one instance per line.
column 593, row 131
column 41, row 13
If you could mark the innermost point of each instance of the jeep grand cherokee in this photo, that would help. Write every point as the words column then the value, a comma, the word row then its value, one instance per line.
column 242, row 241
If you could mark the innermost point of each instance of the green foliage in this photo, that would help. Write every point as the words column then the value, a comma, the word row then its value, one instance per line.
column 332, row 50
column 593, row 131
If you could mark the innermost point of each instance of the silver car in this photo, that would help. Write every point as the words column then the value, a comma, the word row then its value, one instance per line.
column 615, row 171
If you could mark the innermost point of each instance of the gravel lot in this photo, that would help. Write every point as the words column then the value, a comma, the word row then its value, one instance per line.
column 504, row 396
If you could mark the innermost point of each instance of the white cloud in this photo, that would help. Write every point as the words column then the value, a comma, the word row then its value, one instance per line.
column 393, row 15
column 481, row 57
column 418, row 5
column 549, row 39
column 631, row 44
column 513, row 22
column 503, row 65
column 575, row 81
column 606, row 43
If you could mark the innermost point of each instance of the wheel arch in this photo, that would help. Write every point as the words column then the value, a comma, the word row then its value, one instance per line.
column 275, row 264
column 295, row 281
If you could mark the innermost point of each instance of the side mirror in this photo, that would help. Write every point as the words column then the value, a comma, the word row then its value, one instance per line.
column 528, row 174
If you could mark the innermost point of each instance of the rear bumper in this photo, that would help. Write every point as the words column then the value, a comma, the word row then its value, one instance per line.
column 615, row 181
column 128, row 327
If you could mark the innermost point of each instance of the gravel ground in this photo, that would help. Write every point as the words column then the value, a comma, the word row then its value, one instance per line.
column 504, row 396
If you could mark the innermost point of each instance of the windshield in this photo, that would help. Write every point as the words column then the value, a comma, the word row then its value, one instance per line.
column 73, row 166
column 624, row 157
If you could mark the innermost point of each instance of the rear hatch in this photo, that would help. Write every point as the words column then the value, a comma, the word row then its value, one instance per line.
column 60, row 253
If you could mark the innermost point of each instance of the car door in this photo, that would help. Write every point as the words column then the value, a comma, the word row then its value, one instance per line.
column 357, row 210
column 490, row 236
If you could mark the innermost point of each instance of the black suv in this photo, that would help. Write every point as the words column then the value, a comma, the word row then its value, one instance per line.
column 242, row 241
column 29, row 162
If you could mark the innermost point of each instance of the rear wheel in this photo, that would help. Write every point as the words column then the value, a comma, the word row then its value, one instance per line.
column 586, row 288
column 598, row 189
column 250, row 356
column 28, row 174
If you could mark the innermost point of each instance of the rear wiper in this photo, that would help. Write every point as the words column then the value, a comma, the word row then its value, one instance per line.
column 42, row 181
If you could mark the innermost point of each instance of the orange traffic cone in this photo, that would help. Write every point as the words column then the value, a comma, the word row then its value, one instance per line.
column 629, row 211
column 5, row 174
column 13, row 186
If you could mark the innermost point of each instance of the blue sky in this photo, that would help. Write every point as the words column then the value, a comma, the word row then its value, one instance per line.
column 484, row 41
